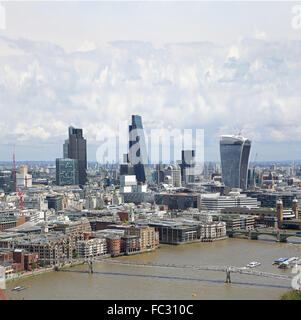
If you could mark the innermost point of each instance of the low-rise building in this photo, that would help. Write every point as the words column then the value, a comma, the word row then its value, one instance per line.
column 17, row 260
column 10, row 222
column 114, row 245
column 130, row 244
column 91, row 248
column 238, row 222
column 148, row 238
column 74, row 227
column 178, row 201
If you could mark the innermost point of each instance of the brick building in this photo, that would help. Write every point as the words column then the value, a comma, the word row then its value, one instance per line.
column 114, row 245
column 130, row 244
column 10, row 222
column 74, row 227
column 148, row 237
column 17, row 260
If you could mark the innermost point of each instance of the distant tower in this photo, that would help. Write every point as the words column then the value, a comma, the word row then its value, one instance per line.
column 76, row 148
column 137, row 151
column 24, row 169
column 279, row 211
column 188, row 166
column 173, row 175
column 159, row 173
column 235, row 151
column 295, row 207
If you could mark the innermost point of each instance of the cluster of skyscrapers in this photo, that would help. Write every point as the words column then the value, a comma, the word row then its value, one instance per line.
column 234, row 152
column 137, row 160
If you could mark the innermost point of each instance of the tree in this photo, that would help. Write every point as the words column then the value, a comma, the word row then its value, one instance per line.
column 33, row 265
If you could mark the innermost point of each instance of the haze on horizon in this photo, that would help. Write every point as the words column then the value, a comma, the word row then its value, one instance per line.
column 222, row 67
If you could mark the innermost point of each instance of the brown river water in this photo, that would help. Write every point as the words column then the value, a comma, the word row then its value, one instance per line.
column 124, row 282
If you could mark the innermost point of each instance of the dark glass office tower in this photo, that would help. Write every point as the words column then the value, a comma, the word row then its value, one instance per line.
column 137, row 151
column 159, row 173
column 76, row 148
column 188, row 166
column 6, row 181
column 244, row 164
column 235, row 151
column 251, row 178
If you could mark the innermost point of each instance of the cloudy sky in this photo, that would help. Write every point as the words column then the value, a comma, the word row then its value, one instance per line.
column 223, row 67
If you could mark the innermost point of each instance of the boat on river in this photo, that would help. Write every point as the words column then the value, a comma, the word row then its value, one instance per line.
column 280, row 260
column 289, row 263
column 19, row 288
column 253, row 264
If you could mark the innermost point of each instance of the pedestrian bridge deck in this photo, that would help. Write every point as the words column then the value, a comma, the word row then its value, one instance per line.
column 232, row 269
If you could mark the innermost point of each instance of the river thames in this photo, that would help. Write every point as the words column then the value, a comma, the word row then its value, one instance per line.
column 124, row 282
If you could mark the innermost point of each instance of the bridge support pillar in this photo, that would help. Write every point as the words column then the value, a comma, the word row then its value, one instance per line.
column 252, row 235
column 228, row 276
column 90, row 267
column 283, row 239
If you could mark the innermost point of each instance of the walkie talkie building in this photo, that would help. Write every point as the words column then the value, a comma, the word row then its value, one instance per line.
column 235, row 151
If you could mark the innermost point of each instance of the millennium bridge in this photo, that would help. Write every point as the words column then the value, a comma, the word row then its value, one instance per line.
column 227, row 269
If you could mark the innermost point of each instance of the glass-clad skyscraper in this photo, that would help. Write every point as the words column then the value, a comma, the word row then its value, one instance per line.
column 66, row 172
column 235, row 151
column 188, row 166
column 76, row 148
column 137, row 151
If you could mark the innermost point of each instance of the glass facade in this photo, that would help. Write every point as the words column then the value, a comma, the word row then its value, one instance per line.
column 76, row 148
column 252, row 177
column 66, row 172
column 188, row 166
column 55, row 203
column 244, row 164
column 235, row 151
column 137, row 151
column 6, row 181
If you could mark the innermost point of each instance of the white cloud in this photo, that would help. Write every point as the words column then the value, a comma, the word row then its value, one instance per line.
column 87, row 46
column 260, row 35
column 253, row 85
column 233, row 52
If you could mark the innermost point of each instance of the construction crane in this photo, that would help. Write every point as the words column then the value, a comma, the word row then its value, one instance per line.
column 20, row 193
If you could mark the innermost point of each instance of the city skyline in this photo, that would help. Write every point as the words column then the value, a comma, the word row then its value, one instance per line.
column 150, row 150
column 7, row 156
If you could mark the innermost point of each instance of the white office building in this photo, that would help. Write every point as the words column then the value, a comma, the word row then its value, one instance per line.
column 216, row 202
